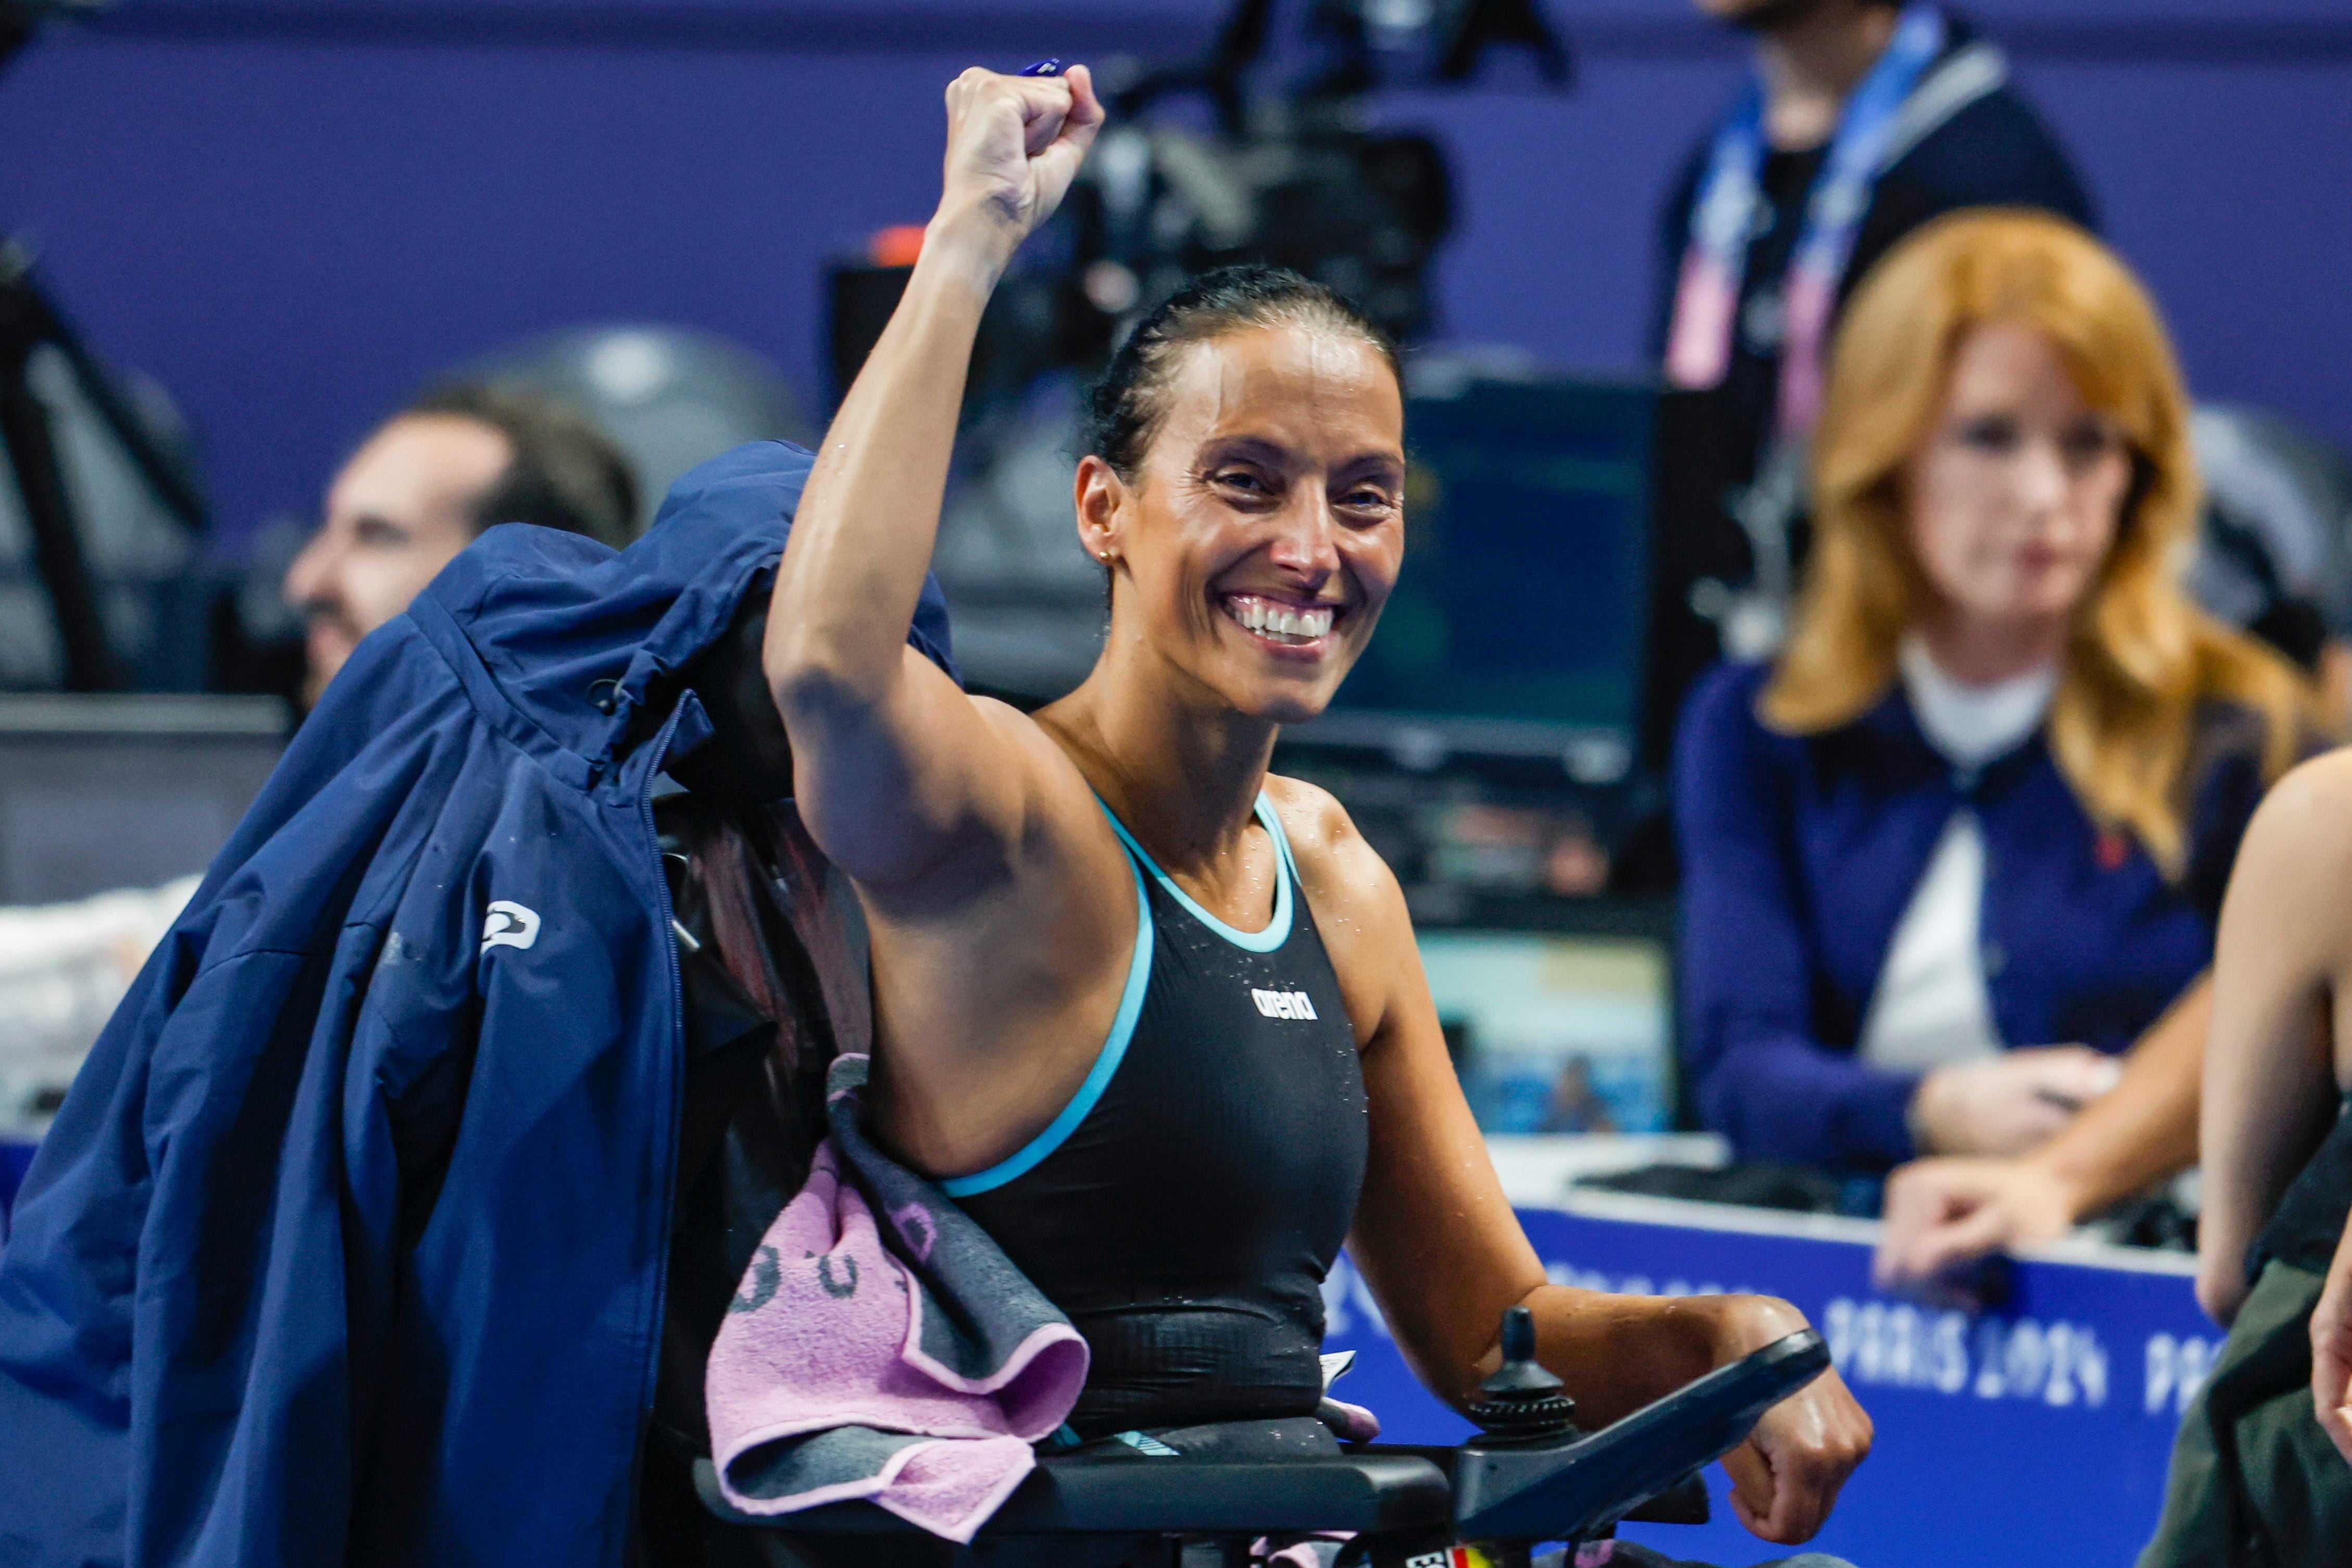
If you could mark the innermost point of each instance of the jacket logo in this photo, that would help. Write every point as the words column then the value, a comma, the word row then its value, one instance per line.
column 506, row 923
column 1282, row 1004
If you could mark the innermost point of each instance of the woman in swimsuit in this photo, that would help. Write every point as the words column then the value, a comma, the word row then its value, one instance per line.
column 1156, row 1016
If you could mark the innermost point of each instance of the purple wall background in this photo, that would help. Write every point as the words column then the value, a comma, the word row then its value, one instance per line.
column 291, row 212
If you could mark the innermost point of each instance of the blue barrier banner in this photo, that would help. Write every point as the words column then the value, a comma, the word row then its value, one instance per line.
column 2032, row 1437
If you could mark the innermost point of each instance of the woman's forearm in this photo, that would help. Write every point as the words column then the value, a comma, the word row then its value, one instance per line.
column 2143, row 1129
column 2266, row 1104
column 862, row 537
column 2267, row 1093
column 1617, row 1354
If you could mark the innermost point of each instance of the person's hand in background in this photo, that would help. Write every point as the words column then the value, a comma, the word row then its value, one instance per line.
column 2010, row 1103
column 1942, row 1214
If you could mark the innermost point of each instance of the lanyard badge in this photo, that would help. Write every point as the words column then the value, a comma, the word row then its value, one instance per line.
column 1707, row 295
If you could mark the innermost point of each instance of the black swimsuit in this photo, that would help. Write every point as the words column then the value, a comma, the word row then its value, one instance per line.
column 1186, row 1205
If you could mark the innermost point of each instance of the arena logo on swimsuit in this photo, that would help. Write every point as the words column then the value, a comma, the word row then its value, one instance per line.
column 1282, row 1004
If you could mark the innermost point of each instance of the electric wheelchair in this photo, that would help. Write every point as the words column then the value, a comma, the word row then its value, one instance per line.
column 1209, row 1495
column 756, row 945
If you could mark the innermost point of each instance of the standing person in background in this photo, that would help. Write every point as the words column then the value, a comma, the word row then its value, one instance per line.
column 1965, row 841
column 426, row 484
column 1864, row 121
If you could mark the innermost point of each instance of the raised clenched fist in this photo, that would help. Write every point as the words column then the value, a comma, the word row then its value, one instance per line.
column 1014, row 145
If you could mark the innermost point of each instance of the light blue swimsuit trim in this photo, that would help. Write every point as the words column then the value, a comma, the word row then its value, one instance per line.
column 1131, row 1002
column 1122, row 1028
column 1277, row 930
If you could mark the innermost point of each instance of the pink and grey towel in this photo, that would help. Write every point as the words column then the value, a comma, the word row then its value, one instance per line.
column 881, row 1347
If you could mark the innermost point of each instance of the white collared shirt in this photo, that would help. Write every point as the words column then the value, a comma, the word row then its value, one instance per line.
column 1930, row 1006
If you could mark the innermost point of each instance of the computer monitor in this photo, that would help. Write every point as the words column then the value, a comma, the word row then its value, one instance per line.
column 1516, row 627
column 1556, row 1033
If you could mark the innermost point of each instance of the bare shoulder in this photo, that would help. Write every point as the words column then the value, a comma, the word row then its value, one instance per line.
column 2290, row 895
column 1338, row 866
column 2307, row 817
column 1359, row 909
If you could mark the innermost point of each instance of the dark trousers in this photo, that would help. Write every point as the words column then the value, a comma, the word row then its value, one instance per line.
column 2255, row 1482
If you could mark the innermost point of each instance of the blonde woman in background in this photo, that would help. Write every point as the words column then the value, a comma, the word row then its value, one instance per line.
column 1965, row 841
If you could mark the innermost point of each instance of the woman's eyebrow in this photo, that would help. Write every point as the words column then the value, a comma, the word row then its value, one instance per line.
column 1251, row 448
column 1388, row 464
column 1280, row 456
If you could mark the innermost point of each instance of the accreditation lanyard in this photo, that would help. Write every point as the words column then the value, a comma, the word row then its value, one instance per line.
column 1707, row 295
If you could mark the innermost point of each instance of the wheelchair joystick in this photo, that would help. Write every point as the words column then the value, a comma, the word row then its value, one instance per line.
column 1523, row 1402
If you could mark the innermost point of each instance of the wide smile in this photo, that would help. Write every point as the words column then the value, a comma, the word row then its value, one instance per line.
column 1290, row 627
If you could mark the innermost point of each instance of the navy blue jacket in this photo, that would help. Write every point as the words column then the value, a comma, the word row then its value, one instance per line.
column 1800, row 855
column 1993, row 151
column 348, row 1244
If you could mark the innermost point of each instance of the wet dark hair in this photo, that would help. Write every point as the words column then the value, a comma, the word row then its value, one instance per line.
column 564, row 472
column 1125, row 408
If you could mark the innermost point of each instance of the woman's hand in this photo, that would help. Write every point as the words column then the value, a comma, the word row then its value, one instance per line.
column 1943, row 1213
column 2011, row 1104
column 1014, row 145
column 2331, row 1351
column 1786, row 1475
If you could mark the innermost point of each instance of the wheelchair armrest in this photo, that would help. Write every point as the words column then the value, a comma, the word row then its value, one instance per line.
column 1567, row 1487
column 1572, row 1491
column 1366, row 1493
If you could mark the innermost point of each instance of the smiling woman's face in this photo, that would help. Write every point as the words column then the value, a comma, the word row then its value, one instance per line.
column 1266, row 524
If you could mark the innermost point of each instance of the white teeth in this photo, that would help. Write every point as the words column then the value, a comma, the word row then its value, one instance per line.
column 1280, row 620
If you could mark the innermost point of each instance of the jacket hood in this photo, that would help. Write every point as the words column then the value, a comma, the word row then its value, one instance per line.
column 563, row 642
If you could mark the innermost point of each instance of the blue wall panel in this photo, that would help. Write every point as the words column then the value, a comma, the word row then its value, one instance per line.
column 293, row 212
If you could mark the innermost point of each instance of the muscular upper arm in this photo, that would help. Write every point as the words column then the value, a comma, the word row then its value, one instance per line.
column 2285, row 936
column 1434, row 1235
column 919, row 784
